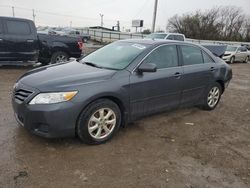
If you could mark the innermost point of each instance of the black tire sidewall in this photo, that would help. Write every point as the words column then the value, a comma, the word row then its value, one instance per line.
column 205, row 105
column 82, row 124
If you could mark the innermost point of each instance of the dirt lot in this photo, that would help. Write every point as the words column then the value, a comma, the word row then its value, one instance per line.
column 158, row 151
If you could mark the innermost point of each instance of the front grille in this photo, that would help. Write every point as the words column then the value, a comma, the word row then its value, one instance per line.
column 22, row 94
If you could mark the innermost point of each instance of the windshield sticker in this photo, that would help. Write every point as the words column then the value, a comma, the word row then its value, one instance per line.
column 139, row 46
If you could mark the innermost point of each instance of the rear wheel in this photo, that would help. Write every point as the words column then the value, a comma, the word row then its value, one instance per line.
column 212, row 97
column 59, row 57
column 99, row 122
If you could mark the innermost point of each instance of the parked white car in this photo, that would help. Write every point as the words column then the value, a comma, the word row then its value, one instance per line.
column 168, row 36
column 236, row 54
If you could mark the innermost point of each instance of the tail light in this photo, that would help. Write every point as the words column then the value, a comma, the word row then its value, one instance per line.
column 80, row 44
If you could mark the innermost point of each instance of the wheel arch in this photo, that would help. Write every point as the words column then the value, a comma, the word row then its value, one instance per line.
column 222, row 84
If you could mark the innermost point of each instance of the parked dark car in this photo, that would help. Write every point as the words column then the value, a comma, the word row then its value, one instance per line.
column 20, row 44
column 116, row 84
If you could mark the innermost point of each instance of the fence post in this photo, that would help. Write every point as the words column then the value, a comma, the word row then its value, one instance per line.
column 119, row 36
column 109, row 36
column 131, row 36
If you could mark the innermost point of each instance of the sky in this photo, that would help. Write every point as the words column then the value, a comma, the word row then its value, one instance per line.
column 82, row 13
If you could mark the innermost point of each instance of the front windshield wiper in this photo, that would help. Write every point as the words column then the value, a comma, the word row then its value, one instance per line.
column 93, row 65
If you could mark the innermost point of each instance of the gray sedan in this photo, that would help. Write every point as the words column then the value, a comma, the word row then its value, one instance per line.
column 116, row 84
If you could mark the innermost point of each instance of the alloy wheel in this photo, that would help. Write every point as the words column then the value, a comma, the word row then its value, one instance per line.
column 102, row 123
column 213, row 97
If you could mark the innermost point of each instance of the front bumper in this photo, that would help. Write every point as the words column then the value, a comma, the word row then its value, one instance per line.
column 50, row 120
column 227, row 58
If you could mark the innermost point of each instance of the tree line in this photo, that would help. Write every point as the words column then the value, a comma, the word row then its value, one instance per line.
column 219, row 23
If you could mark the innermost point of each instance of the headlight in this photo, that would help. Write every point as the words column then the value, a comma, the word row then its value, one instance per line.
column 51, row 98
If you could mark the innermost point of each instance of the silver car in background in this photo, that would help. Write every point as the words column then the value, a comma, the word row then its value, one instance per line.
column 236, row 54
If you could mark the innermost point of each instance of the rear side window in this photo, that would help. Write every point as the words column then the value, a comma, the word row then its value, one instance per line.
column 18, row 27
column 163, row 57
column 179, row 37
column 207, row 58
column 170, row 37
column 191, row 55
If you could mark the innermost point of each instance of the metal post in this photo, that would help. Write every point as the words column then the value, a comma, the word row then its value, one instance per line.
column 154, row 16
column 101, row 19
column 13, row 11
column 33, row 14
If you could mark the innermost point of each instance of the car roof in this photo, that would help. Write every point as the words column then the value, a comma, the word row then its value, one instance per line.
column 156, row 42
column 14, row 18
column 168, row 33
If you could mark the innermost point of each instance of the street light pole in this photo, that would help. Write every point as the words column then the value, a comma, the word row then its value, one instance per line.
column 13, row 11
column 101, row 19
column 154, row 16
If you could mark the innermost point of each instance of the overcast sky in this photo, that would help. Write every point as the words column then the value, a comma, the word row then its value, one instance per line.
column 86, row 12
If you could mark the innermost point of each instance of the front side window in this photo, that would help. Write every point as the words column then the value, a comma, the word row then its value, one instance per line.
column 163, row 57
column 18, row 27
column 117, row 55
column 191, row 55
column 170, row 37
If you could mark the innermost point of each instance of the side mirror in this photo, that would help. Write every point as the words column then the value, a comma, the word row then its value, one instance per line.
column 147, row 67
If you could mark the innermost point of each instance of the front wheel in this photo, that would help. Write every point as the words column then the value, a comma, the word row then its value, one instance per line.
column 247, row 59
column 212, row 97
column 99, row 122
column 232, row 59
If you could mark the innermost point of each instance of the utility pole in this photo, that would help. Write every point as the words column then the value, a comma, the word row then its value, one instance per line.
column 154, row 16
column 34, row 16
column 101, row 19
column 13, row 11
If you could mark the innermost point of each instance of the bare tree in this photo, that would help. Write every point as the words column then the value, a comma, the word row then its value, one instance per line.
column 219, row 23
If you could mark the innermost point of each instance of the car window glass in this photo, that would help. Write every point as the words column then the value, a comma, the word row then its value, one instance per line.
column 243, row 49
column 179, row 37
column 77, row 33
column 170, row 37
column 207, row 58
column 191, row 55
column 1, row 27
column 163, row 57
column 17, row 27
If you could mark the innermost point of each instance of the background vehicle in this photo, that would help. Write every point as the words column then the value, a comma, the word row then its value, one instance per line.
column 118, row 83
column 236, row 54
column 75, row 33
column 169, row 36
column 20, row 44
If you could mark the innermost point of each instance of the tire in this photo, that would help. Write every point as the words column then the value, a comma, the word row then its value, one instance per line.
column 232, row 59
column 211, row 93
column 246, row 60
column 93, row 128
column 85, row 40
column 59, row 57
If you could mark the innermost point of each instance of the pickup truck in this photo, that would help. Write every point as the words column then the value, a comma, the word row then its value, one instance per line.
column 21, row 45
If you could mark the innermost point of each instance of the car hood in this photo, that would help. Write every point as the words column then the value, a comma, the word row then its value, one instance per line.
column 228, row 53
column 66, row 75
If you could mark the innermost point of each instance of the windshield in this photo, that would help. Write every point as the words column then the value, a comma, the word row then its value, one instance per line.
column 117, row 55
column 231, row 48
column 157, row 36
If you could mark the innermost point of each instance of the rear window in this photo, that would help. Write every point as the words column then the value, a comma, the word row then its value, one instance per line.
column 18, row 27
column 179, row 37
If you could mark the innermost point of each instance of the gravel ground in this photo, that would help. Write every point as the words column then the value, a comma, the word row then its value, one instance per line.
column 182, row 148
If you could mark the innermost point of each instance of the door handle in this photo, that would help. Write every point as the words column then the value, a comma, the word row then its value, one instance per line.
column 30, row 40
column 177, row 74
column 212, row 69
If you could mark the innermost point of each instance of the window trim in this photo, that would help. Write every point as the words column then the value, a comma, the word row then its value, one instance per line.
column 178, row 56
column 203, row 52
